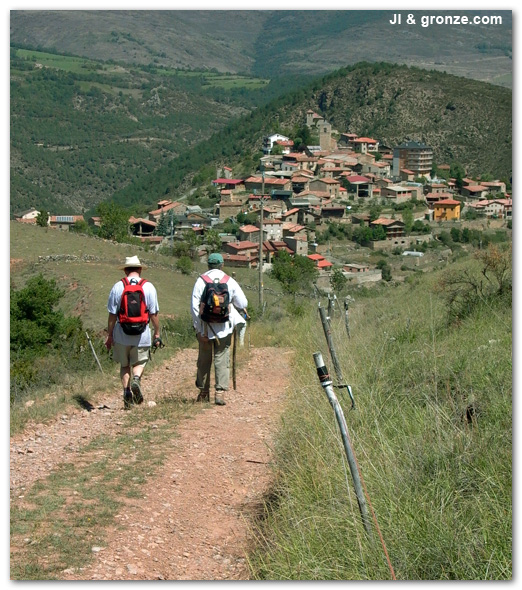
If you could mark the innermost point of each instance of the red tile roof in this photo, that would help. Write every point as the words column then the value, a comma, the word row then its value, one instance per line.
column 384, row 221
column 228, row 181
column 244, row 245
column 356, row 178
column 446, row 202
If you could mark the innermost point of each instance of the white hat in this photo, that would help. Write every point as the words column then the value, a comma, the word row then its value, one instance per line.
column 132, row 262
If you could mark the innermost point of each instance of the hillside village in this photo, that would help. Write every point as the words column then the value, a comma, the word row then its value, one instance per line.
column 295, row 194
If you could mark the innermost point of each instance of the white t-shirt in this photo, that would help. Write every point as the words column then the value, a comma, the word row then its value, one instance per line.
column 113, row 306
column 237, row 298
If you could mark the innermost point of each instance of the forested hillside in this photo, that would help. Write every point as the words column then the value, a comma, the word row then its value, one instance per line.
column 83, row 132
column 465, row 121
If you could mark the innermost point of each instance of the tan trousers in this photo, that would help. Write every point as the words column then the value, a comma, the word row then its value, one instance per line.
column 221, row 356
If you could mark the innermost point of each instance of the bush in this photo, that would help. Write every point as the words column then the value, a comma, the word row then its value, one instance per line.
column 185, row 265
column 41, row 336
column 463, row 290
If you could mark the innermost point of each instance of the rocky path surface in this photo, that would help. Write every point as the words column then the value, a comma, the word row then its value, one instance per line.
column 192, row 521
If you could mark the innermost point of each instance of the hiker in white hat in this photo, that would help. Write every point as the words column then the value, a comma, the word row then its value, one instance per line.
column 133, row 302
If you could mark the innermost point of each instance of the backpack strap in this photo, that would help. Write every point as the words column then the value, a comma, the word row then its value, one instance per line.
column 207, row 279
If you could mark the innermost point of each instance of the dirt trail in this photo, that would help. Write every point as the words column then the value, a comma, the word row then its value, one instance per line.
column 192, row 522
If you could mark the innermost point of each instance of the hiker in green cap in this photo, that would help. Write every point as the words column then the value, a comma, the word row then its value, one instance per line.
column 213, row 296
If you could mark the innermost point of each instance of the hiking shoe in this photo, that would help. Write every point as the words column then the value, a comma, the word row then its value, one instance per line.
column 127, row 400
column 136, row 390
column 204, row 396
column 220, row 398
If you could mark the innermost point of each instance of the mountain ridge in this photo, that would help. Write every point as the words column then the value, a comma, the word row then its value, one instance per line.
column 270, row 43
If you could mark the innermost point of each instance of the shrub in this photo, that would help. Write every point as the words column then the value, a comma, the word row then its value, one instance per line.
column 185, row 265
column 41, row 336
column 463, row 290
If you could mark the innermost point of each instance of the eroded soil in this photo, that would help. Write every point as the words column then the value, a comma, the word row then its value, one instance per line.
column 193, row 521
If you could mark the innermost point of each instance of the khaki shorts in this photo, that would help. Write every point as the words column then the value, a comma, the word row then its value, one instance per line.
column 129, row 356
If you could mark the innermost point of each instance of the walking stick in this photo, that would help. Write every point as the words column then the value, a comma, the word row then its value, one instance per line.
column 93, row 351
column 234, row 349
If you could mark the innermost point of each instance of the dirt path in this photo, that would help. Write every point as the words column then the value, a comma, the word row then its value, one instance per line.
column 192, row 522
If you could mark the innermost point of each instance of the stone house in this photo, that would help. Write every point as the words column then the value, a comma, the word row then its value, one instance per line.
column 397, row 193
column 241, row 248
column 329, row 185
column 64, row 221
column 393, row 227
column 166, row 207
column 141, row 227
column 257, row 184
column 360, row 186
column 248, row 233
column 474, row 191
column 27, row 216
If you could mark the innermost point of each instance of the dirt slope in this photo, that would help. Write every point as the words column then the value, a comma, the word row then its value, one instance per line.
column 192, row 522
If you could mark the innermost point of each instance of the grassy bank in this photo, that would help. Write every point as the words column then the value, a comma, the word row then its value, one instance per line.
column 432, row 434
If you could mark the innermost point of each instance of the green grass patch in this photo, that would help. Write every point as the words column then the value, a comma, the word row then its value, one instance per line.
column 77, row 65
column 432, row 433
column 58, row 522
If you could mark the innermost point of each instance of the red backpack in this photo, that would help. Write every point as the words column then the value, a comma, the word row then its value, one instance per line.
column 133, row 314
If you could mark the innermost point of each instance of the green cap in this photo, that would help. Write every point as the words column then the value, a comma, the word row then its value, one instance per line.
column 215, row 258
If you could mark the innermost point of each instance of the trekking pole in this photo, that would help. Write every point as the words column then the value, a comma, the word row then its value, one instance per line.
column 93, row 351
column 333, row 354
column 326, row 383
column 234, row 349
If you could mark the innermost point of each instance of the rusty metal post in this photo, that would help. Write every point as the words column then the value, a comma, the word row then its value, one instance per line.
column 326, row 383
column 333, row 354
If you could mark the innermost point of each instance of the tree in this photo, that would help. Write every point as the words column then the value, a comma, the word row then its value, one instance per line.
column 81, row 227
column 338, row 281
column 212, row 241
column 455, row 234
column 294, row 272
column 114, row 222
column 407, row 218
column 385, row 269
column 35, row 321
column 163, row 227
column 42, row 219
column 375, row 212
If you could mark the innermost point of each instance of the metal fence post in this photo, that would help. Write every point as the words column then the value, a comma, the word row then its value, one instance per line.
column 326, row 383
column 333, row 354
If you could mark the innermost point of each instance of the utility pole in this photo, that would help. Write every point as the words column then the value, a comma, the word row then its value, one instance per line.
column 261, row 240
column 172, row 231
